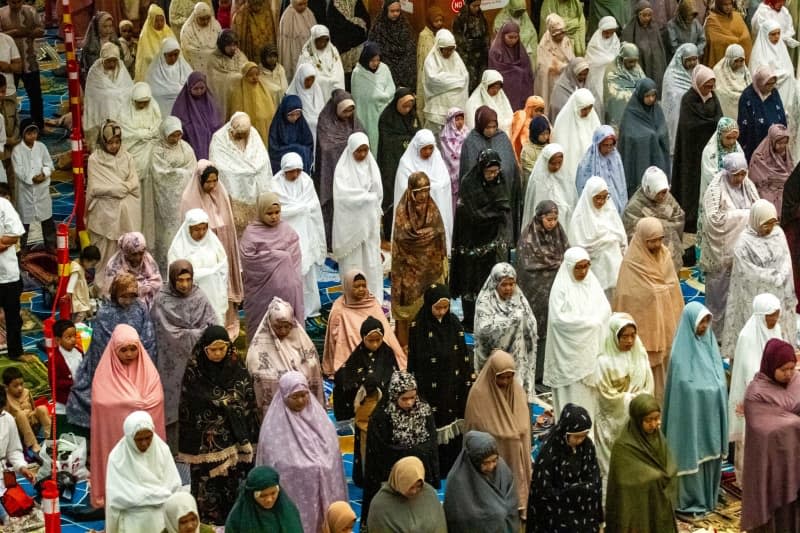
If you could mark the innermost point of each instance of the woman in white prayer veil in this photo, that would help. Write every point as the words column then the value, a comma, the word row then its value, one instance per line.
column 308, row 89
column 301, row 210
column 445, row 80
column 140, row 120
column 763, row 325
column 293, row 31
column 574, row 128
column 172, row 165
column 243, row 162
column 733, row 77
column 489, row 92
column 138, row 482
column 199, row 36
column 108, row 85
column 167, row 75
column 357, row 197
column 200, row 246
column 422, row 155
column 776, row 55
column 597, row 227
column 550, row 181
column 578, row 315
column 602, row 50
column 677, row 80
column 323, row 55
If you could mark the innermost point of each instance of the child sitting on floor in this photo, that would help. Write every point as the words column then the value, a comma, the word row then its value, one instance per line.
column 67, row 360
column 29, row 418
column 10, row 448
column 83, row 306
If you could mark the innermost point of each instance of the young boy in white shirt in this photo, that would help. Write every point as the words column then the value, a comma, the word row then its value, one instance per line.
column 32, row 167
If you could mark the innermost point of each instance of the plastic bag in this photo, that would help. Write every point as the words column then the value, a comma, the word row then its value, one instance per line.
column 72, row 454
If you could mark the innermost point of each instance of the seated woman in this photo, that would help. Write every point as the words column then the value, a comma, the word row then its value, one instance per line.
column 218, row 423
column 401, row 426
column 199, row 114
column 653, row 199
column 289, row 132
column 480, row 493
column 761, row 263
column 642, row 487
column 504, row 321
column 696, row 411
column 439, row 359
column 141, row 477
column 126, row 380
column 262, row 506
column 132, row 257
column 271, row 259
column 251, row 95
column 280, row 345
column 201, row 247
column 497, row 404
column 173, row 164
column 769, row 498
column 180, row 509
column 181, row 313
column 346, row 318
column 623, row 372
column 406, row 502
column 241, row 157
column 124, row 307
column 597, row 228
column 299, row 441
column 419, row 247
column 602, row 159
column 566, row 491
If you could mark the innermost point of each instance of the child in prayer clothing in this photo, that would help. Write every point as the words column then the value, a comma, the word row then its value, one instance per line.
column 27, row 416
column 83, row 305
column 67, row 360
column 32, row 167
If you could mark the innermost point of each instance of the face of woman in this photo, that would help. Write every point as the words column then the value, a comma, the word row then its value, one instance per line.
column 505, row 289
column 407, row 400
column 183, row 283
column 198, row 89
column 626, row 338
column 475, row 7
column 292, row 174
column 231, row 49
column 586, row 110
column 581, row 269
column 393, row 12
column 504, row 379
column 141, row 104
column 416, row 488
column 297, row 401
column 651, row 423
column 110, row 64
column 320, row 43
column 361, row 153
column 426, row 152
column 203, row 21
column 198, row 231
column 630, row 63
column 266, row 498
column 134, row 258
column 490, row 130
column 373, row 341
column 767, row 227
column 359, row 291
column 282, row 328
column 770, row 84
column 300, row 5
column 780, row 145
column 143, row 439
column 555, row 162
column 689, row 62
column 489, row 464
column 661, row 196
column 174, row 137
column 607, row 146
column 172, row 57
column 374, row 63
column 772, row 319
column 738, row 63
column 737, row 178
column 600, row 199
column 458, row 121
column 210, row 184
column 729, row 138
column 494, row 88
column 126, row 32
column 785, row 373
column 650, row 98
column 645, row 17
column 272, row 216
column 775, row 36
column 217, row 350
column 440, row 308
column 159, row 22
column 421, row 194
column 550, row 221
column 106, row 27
column 293, row 116
column 558, row 36
column 654, row 245
column 511, row 39
column 405, row 105
column 490, row 173
column 127, row 298
column 127, row 354
column 582, row 75
column 702, row 327
column 544, row 138
column 188, row 523
column 447, row 51
column 576, row 439
column 252, row 76
column 113, row 145
column 607, row 34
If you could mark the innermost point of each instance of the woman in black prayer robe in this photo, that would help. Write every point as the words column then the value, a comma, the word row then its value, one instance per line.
column 482, row 230
column 566, row 491
column 396, row 127
column 401, row 426
column 439, row 360
column 398, row 44
column 700, row 112
column 790, row 222
column 348, row 23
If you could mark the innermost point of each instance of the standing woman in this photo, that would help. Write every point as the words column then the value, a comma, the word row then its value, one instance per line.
column 395, row 39
column 357, row 195
column 790, row 223
column 574, row 128
column 539, row 255
column 489, row 93
column 112, row 193
column 504, row 321
column 419, row 250
column 173, row 163
column 180, row 314
column 509, row 57
column 724, row 141
column 497, row 404
column 253, row 23
column 724, row 26
column 218, row 422
column 167, row 74
column 337, row 122
column 320, row 53
column 198, row 113
column 98, row 34
column 619, row 83
column 760, row 106
column 293, row 31
column 199, row 37
column 372, row 88
column 445, row 80
column 602, row 51
column 642, row 491
column 700, row 112
column 771, row 164
column 289, row 132
column 132, row 256
column 566, row 492
column 349, row 22
column 554, row 52
column 154, row 31
column 271, row 261
column 696, row 411
column 645, row 33
column 451, row 140
column 305, row 86
column 677, row 81
column 521, row 124
column 603, row 160
column 578, row 315
column 205, row 192
column 537, row 137
column 733, row 77
column 439, row 360
column 572, row 13
column 250, row 94
column 401, row 426
column 549, row 181
column 224, row 66
column 482, row 232
column 434, row 21
column 106, row 91
column 471, row 31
